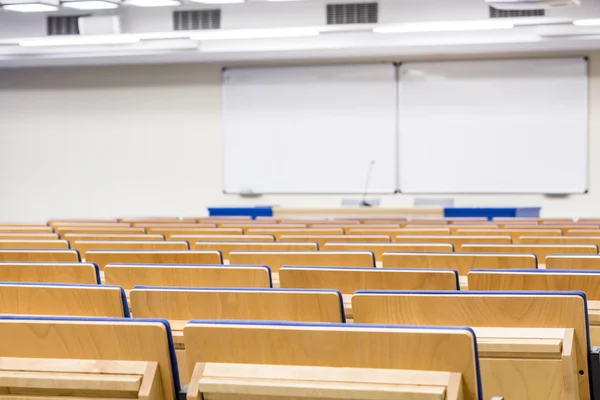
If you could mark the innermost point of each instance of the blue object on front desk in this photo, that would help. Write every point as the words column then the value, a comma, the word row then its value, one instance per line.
column 254, row 211
column 492, row 212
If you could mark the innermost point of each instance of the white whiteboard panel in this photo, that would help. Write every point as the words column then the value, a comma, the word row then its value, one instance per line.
column 498, row 126
column 310, row 129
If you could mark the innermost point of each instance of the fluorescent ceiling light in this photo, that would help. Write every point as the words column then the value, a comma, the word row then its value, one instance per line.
column 587, row 22
column 154, row 3
column 79, row 40
column 90, row 5
column 445, row 26
column 219, row 1
column 30, row 7
column 255, row 33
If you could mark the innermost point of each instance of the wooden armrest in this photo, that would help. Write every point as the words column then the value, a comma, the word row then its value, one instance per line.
column 47, row 377
column 211, row 381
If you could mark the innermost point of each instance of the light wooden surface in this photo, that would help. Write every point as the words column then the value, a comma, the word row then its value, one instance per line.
column 127, row 276
column 514, row 233
column 236, row 381
column 461, row 262
column 91, row 301
column 104, row 257
column 582, row 232
column 358, row 212
column 150, row 219
column 33, row 244
column 322, row 239
column 585, row 262
column 380, row 248
column 112, row 236
column 227, row 247
column 192, row 239
column 349, row 280
column 494, row 311
column 278, row 232
column 159, row 225
column 348, row 227
column 63, row 224
column 28, row 236
column 275, row 260
column 33, row 255
column 86, row 245
column 540, row 250
column 456, row 240
column 26, row 229
column 267, row 304
column 33, row 224
column 80, row 340
column 67, row 221
column 420, row 231
column 82, row 273
column 542, row 281
column 321, row 346
column 560, row 240
column 168, row 232
column 76, row 229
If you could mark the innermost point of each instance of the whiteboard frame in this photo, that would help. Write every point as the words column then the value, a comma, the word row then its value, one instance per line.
column 394, row 65
column 549, row 194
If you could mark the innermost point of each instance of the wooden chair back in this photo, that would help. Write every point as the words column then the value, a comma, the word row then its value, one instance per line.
column 337, row 346
column 540, row 250
column 107, row 357
column 279, row 232
column 63, row 299
column 50, row 272
column 379, row 249
column 227, row 247
column 180, row 303
column 456, row 240
column 128, row 276
column 112, row 236
column 33, row 255
column 33, row 244
column 349, row 280
column 573, row 262
column 83, row 246
column 277, row 259
column 104, row 257
column 461, row 262
column 322, row 239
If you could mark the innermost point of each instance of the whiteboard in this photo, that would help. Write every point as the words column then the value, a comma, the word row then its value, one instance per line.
column 497, row 126
column 310, row 129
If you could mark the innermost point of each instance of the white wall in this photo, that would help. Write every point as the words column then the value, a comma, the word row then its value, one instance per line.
column 145, row 140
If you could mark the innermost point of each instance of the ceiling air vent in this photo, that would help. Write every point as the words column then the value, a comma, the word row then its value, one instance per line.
column 196, row 19
column 502, row 13
column 352, row 13
column 63, row 25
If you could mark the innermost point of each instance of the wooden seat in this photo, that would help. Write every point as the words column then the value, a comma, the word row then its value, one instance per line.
column 158, row 225
column 99, row 230
column 28, row 236
column 560, row 240
column 127, row 276
column 73, row 357
column 112, row 236
column 278, row 232
column 104, row 257
column 329, row 361
column 61, row 299
column 322, row 239
column 170, row 232
column 349, row 280
column 69, row 272
column 193, row 239
column 540, row 250
column 553, row 280
column 456, row 240
column 86, row 245
column 515, row 234
column 573, row 262
column 277, row 259
column 227, row 247
column 33, row 244
column 533, row 363
column 33, row 255
column 246, row 227
column 380, row 248
column 582, row 232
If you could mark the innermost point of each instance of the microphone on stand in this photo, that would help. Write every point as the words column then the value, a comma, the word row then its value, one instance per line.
column 364, row 202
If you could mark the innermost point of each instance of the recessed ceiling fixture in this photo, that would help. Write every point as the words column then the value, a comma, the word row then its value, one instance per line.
column 255, row 33
column 154, row 3
column 446, row 26
column 79, row 40
column 31, row 6
column 90, row 5
column 587, row 22
column 219, row 1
